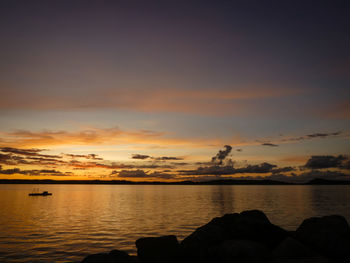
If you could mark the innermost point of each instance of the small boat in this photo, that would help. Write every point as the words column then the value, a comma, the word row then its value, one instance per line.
column 45, row 193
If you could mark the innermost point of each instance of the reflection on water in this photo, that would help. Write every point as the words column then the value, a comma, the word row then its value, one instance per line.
column 81, row 219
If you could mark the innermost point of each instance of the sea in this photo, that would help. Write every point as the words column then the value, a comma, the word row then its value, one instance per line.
column 78, row 220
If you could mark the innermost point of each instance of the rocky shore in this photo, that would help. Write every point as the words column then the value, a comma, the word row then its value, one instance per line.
column 247, row 237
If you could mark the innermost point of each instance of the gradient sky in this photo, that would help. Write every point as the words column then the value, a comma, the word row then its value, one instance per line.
column 152, row 90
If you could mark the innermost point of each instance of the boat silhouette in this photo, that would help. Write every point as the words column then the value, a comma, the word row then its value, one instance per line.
column 44, row 193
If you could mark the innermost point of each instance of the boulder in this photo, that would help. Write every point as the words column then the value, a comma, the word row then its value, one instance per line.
column 316, row 259
column 254, row 225
column 329, row 235
column 158, row 249
column 291, row 248
column 205, row 236
column 249, row 225
column 243, row 251
column 197, row 246
column 115, row 256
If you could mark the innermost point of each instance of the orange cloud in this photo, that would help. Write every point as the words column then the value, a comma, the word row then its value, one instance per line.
column 108, row 136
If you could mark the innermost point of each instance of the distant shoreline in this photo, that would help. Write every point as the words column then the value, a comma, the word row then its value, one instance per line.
column 316, row 181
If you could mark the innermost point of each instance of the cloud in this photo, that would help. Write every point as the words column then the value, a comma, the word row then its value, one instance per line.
column 141, row 174
column 45, row 172
column 325, row 161
column 153, row 166
column 258, row 168
column 162, row 175
column 209, row 170
column 237, row 101
column 131, row 173
column 229, row 169
column 269, row 144
column 27, row 152
column 180, row 163
column 10, row 159
column 101, row 136
column 140, row 156
column 221, row 155
column 32, row 157
column 282, row 170
column 322, row 135
column 167, row 158
column 91, row 156
column 162, row 158
column 312, row 136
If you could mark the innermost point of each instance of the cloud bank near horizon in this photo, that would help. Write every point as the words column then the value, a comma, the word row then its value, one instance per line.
column 221, row 166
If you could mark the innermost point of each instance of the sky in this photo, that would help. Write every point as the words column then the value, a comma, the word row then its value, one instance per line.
column 174, row 90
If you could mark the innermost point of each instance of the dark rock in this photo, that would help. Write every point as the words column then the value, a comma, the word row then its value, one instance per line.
column 291, row 248
column 158, row 249
column 243, row 251
column 254, row 225
column 247, row 237
column 302, row 260
column 205, row 236
column 115, row 256
column 249, row 225
column 196, row 245
column 329, row 235
column 256, row 214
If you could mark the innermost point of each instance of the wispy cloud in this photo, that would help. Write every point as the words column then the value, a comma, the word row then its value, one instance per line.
column 139, row 173
column 312, row 136
column 230, row 170
column 226, row 100
column 45, row 172
column 140, row 156
column 90, row 156
column 278, row 141
column 269, row 144
column 161, row 158
column 99, row 136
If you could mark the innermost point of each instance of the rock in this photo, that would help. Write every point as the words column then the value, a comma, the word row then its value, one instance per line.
column 205, row 236
column 254, row 225
column 243, row 251
column 115, row 256
column 256, row 214
column 329, row 235
column 196, row 246
column 291, row 248
column 249, row 225
column 246, row 237
column 158, row 249
column 302, row 260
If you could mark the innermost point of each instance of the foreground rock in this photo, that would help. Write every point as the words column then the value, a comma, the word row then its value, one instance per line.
column 247, row 237
column 329, row 235
column 254, row 226
column 115, row 256
column 164, row 249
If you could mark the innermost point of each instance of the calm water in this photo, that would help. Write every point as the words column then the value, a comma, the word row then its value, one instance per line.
column 81, row 219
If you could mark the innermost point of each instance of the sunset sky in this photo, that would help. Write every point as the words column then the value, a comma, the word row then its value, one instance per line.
column 174, row 90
